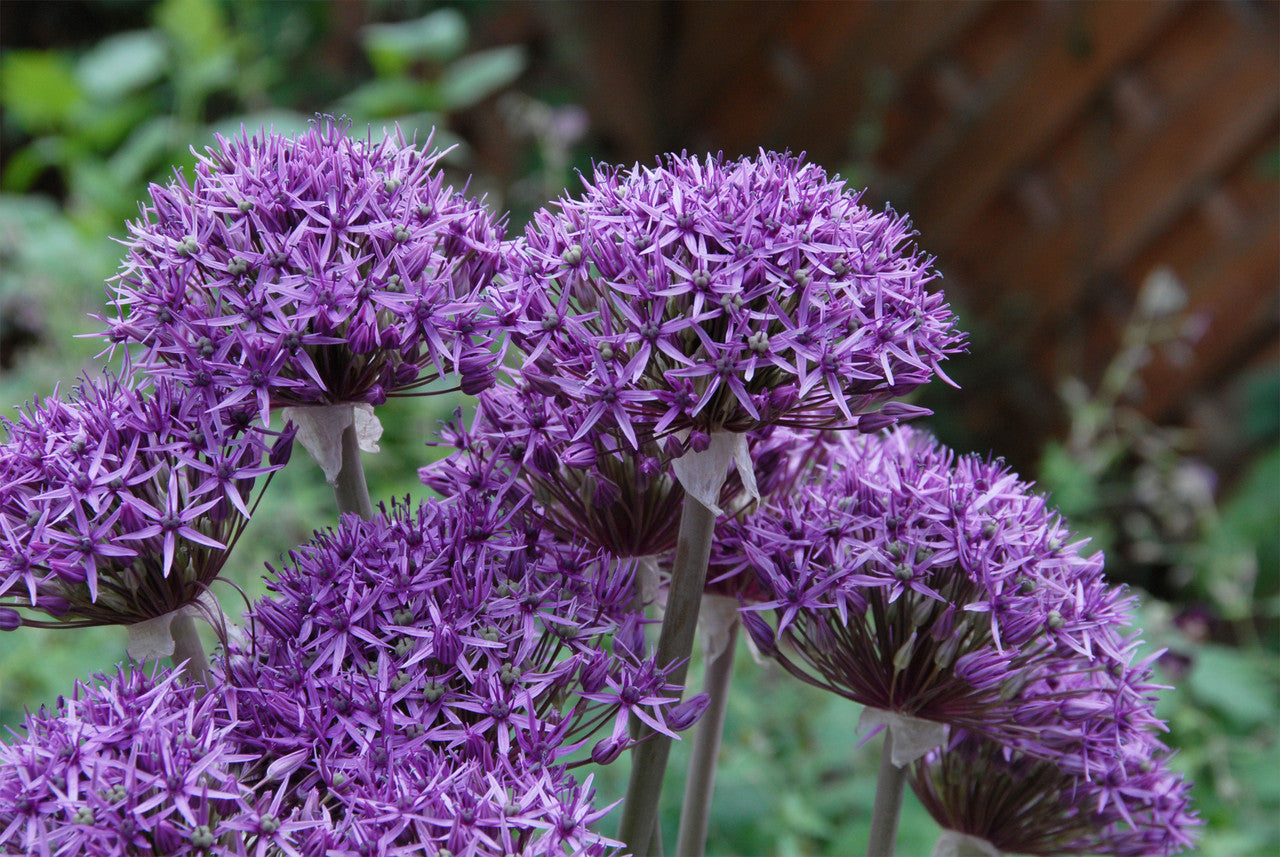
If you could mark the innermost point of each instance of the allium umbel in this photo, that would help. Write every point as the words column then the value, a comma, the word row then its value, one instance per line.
column 134, row 765
column 939, row 589
column 596, row 490
column 118, row 505
column 319, row 269
column 141, row 765
column 714, row 295
column 1012, row 803
column 444, row 627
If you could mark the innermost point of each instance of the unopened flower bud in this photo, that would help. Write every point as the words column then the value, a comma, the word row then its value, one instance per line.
column 594, row 673
column 539, row 381
column 605, row 494
column 544, row 458
column 447, row 646
column 760, row 630
column 282, row 449
column 945, row 656
column 9, row 619
column 923, row 612
column 870, row 423
column 687, row 713
column 608, row 750
column 168, row 840
column 902, row 658
column 477, row 371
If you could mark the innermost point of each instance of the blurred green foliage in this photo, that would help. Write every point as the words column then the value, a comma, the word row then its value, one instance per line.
column 84, row 132
column 1137, row 490
column 93, row 127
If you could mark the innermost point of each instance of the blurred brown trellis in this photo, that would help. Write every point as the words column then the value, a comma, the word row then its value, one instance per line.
column 1052, row 155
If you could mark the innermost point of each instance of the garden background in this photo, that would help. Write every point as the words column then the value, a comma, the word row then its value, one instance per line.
column 1099, row 181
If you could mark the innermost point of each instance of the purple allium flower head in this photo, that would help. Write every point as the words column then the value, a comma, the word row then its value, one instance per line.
column 939, row 588
column 134, row 765
column 443, row 628
column 434, row 802
column 119, row 504
column 521, row 448
column 709, row 295
column 1134, row 806
column 319, row 269
column 785, row 460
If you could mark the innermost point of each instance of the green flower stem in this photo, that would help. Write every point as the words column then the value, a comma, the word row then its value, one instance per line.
column 692, row 840
column 187, row 647
column 890, row 784
column 349, row 487
column 675, row 644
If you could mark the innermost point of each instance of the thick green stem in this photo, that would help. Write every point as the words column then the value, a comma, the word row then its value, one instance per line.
column 349, row 486
column 890, row 785
column 675, row 644
column 692, row 841
column 187, row 647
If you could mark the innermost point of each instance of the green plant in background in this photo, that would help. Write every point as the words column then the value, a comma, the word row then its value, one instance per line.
column 421, row 73
column 95, row 126
column 1136, row 488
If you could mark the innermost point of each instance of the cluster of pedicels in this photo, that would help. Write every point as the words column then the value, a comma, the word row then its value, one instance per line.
column 521, row 450
column 1002, row 801
column 119, row 503
column 944, row 596
column 312, row 270
column 443, row 632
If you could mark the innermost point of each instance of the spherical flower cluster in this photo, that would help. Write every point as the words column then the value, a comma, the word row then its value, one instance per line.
column 944, row 590
column 119, row 504
column 1023, row 805
column 134, row 765
column 319, row 269
column 444, row 628
column 597, row 490
column 431, row 802
column 785, row 460
column 709, row 295
column 143, row 765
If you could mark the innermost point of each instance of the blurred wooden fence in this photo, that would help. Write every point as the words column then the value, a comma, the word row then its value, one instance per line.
column 1051, row 154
